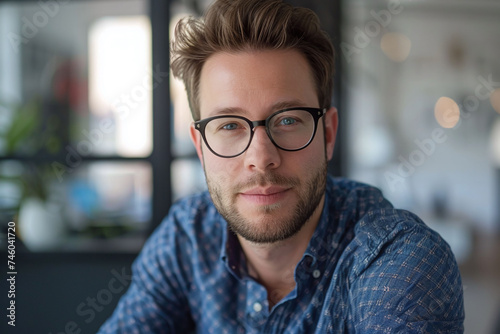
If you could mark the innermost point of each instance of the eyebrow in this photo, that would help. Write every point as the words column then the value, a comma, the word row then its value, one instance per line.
column 228, row 111
column 288, row 104
column 275, row 107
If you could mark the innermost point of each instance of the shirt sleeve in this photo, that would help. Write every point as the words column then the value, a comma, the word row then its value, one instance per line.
column 156, row 299
column 410, row 284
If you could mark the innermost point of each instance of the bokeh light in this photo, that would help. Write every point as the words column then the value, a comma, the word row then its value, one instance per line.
column 396, row 46
column 447, row 112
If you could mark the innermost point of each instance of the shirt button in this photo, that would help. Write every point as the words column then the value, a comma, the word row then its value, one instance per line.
column 316, row 273
column 257, row 307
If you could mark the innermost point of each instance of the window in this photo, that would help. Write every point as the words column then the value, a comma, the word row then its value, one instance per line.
column 76, row 127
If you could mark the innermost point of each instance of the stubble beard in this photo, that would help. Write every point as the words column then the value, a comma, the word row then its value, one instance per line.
column 269, row 228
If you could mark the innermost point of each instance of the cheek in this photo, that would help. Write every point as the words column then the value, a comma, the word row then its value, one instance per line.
column 220, row 170
column 309, row 159
column 301, row 164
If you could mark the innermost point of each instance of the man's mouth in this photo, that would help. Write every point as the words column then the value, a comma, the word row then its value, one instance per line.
column 265, row 195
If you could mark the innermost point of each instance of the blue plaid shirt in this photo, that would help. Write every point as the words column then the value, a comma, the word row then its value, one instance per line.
column 368, row 269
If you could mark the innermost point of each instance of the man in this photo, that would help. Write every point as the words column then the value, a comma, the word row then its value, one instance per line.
column 276, row 245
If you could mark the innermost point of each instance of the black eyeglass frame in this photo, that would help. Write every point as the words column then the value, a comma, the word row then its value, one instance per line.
column 316, row 113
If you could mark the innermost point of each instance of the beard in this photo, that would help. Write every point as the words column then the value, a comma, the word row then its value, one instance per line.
column 268, row 226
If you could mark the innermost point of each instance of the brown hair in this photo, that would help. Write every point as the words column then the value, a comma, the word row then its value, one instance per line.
column 238, row 25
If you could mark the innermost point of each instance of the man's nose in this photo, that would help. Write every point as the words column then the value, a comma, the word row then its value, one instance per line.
column 262, row 155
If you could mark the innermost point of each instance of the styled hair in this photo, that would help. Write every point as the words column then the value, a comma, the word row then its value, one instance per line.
column 240, row 25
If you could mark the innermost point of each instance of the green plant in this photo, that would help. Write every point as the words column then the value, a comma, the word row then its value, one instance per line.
column 19, row 139
column 25, row 120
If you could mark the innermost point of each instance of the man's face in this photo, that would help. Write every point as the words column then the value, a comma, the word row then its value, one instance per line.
column 265, row 194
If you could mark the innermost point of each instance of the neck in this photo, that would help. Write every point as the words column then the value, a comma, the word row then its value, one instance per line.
column 273, row 264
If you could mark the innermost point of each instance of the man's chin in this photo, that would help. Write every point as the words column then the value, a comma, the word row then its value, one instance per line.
column 263, row 227
column 264, row 212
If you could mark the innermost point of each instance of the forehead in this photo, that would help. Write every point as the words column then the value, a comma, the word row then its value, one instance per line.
column 255, row 82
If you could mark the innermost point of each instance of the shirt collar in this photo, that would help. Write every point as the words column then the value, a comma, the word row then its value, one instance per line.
column 231, row 253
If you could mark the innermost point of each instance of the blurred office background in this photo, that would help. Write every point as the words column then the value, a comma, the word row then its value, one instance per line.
column 94, row 142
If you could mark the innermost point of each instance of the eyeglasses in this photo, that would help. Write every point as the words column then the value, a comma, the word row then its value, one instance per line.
column 291, row 129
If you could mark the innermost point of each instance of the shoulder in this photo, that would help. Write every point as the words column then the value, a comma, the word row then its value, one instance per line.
column 385, row 234
column 374, row 222
column 176, row 242
column 185, row 227
column 381, row 227
column 401, row 264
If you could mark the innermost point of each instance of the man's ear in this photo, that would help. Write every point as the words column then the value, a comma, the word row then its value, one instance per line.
column 196, row 138
column 331, row 119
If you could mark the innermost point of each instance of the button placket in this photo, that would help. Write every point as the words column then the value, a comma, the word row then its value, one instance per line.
column 256, row 312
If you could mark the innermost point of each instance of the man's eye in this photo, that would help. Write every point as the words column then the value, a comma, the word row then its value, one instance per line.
column 287, row 121
column 230, row 126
